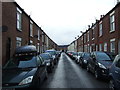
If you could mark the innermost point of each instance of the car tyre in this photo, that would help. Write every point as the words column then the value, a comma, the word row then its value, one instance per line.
column 88, row 70
column 111, row 84
column 46, row 75
column 37, row 84
column 96, row 74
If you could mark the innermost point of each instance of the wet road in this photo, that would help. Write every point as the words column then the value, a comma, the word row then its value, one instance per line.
column 68, row 74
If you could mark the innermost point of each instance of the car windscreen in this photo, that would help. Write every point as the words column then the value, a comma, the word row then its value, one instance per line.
column 45, row 56
column 51, row 52
column 86, row 55
column 75, row 53
column 102, row 56
column 21, row 62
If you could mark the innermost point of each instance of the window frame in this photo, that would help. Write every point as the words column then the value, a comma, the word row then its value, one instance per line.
column 100, row 29
column 19, row 19
column 31, row 28
column 111, row 43
column 18, row 41
column 112, row 22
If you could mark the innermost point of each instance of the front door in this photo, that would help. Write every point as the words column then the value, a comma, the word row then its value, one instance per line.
column 8, row 49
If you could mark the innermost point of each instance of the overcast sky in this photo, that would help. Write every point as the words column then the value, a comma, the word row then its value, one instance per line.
column 63, row 20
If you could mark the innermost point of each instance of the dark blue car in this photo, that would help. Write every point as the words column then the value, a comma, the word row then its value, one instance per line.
column 25, row 69
column 115, row 74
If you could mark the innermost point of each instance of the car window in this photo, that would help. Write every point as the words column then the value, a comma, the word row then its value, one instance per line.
column 41, row 60
column 118, row 62
column 102, row 56
column 45, row 56
column 22, row 62
column 38, row 61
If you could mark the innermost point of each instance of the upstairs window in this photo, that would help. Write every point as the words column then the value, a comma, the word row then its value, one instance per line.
column 93, row 32
column 88, row 36
column 100, row 29
column 38, row 34
column 112, row 22
column 19, row 19
column 31, row 28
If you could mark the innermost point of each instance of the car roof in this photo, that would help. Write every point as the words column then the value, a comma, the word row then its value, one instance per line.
column 26, row 49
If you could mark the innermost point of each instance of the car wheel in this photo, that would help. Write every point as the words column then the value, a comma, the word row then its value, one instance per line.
column 111, row 84
column 96, row 74
column 46, row 75
column 88, row 70
column 37, row 84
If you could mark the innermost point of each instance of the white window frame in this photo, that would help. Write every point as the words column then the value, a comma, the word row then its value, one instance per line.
column 112, row 21
column 18, row 41
column 38, row 47
column 84, row 38
column 31, row 28
column 38, row 34
column 93, row 32
column 100, row 29
column 96, row 47
column 100, row 47
column 19, row 19
column 88, row 36
column 111, row 45
column 105, row 46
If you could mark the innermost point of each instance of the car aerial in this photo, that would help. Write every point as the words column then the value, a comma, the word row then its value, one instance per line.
column 53, row 53
column 48, row 60
column 114, row 74
column 83, row 60
column 25, row 69
column 99, row 63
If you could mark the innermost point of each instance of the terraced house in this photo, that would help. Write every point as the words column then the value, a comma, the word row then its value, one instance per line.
column 103, row 35
column 19, row 29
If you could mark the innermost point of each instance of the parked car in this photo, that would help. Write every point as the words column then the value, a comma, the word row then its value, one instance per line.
column 115, row 74
column 75, row 54
column 83, row 61
column 48, row 60
column 72, row 55
column 53, row 53
column 25, row 69
column 78, row 57
column 99, row 63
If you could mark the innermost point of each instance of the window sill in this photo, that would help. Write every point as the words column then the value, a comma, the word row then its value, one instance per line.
column 31, row 36
column 112, row 31
column 19, row 30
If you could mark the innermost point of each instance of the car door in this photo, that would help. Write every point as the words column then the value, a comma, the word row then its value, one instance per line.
column 93, row 61
column 117, row 70
column 42, row 67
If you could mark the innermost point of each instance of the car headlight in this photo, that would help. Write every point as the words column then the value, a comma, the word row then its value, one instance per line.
column 26, row 80
column 85, row 61
column 48, row 64
column 102, row 66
